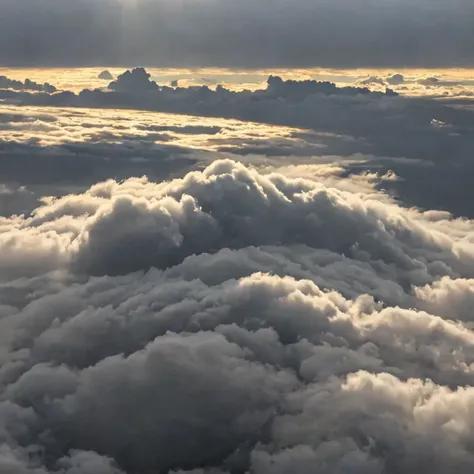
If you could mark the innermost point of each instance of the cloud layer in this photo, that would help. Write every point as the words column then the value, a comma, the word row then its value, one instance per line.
column 235, row 321
column 411, row 136
column 248, row 33
column 278, row 311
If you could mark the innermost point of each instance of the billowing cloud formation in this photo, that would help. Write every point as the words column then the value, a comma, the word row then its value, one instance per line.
column 235, row 321
column 247, row 33
column 137, row 80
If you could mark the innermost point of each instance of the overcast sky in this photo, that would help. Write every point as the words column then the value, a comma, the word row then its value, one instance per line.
column 243, row 33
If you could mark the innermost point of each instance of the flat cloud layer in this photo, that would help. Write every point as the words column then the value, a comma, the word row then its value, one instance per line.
column 233, row 321
column 244, row 33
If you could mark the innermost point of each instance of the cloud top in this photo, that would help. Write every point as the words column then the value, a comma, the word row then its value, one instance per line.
column 234, row 321
column 27, row 85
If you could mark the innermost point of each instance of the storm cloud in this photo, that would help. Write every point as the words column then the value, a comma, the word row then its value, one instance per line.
column 247, row 33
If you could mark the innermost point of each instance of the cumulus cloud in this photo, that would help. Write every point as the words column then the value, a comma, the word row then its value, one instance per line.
column 106, row 76
column 302, row 89
column 396, row 79
column 6, row 83
column 235, row 321
column 137, row 80
column 167, row 220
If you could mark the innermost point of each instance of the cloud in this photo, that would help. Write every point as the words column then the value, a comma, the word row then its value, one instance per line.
column 396, row 79
column 137, row 80
column 282, row 313
column 417, row 83
column 41, row 146
column 244, row 320
column 106, row 76
column 6, row 83
column 301, row 89
column 166, row 222
column 399, row 133
column 458, row 86
column 429, row 81
column 16, row 200
column 449, row 298
column 373, row 80
column 288, row 34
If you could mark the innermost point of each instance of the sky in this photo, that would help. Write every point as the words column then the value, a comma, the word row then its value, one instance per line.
column 253, row 253
column 237, row 34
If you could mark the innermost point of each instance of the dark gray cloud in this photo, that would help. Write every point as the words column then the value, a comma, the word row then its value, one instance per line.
column 247, row 33
column 136, row 80
column 6, row 83
column 106, row 76
column 396, row 79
